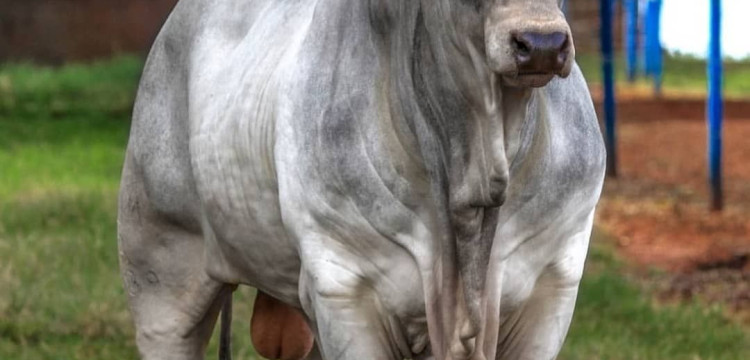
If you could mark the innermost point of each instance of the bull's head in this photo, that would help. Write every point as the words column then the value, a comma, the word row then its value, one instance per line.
column 527, row 42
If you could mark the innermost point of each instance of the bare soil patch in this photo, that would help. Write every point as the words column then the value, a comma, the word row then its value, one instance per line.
column 658, row 207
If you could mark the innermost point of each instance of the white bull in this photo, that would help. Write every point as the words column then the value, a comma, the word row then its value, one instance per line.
column 410, row 175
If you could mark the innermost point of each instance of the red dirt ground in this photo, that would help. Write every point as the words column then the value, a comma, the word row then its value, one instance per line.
column 658, row 207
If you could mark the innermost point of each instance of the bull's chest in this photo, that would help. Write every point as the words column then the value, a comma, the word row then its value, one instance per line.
column 237, row 187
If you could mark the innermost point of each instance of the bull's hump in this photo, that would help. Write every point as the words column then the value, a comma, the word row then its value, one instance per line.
column 239, row 72
column 239, row 79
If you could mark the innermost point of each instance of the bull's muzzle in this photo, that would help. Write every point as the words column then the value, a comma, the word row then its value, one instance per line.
column 540, row 55
column 529, row 43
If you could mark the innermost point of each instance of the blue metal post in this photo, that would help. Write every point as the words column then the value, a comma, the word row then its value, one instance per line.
column 715, row 107
column 653, row 43
column 642, row 32
column 631, row 38
column 658, row 53
column 605, row 14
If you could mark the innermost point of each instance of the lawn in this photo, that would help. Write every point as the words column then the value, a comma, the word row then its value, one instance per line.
column 683, row 76
column 62, row 136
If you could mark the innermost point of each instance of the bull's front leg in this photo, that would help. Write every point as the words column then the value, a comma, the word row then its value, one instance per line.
column 345, row 312
column 538, row 329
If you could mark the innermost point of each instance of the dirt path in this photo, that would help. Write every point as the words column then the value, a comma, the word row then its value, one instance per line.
column 658, row 206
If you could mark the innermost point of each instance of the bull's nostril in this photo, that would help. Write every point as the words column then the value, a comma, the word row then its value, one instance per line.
column 521, row 46
column 522, row 50
column 562, row 55
column 565, row 45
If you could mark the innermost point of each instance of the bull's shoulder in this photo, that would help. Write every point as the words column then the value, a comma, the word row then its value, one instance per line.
column 566, row 150
column 572, row 124
column 158, row 149
column 560, row 168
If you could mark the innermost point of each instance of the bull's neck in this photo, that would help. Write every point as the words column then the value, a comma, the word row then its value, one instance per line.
column 466, row 124
column 454, row 107
column 462, row 111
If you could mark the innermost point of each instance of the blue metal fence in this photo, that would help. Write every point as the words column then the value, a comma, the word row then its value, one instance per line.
column 653, row 67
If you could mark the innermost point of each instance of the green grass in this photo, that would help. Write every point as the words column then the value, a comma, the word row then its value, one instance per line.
column 682, row 73
column 615, row 319
column 62, row 132
column 62, row 136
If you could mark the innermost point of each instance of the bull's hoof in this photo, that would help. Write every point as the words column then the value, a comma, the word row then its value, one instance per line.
column 278, row 330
